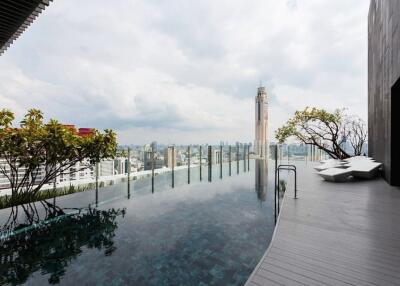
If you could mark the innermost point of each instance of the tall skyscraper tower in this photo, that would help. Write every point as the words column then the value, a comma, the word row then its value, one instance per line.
column 261, row 123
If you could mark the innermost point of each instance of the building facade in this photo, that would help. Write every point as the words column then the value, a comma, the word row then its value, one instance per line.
column 261, row 123
column 170, row 157
column 384, row 85
column 106, row 168
column 5, row 183
column 121, row 166
column 80, row 171
column 152, row 161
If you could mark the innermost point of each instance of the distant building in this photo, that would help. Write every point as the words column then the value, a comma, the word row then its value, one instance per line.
column 80, row 171
column 106, row 168
column 85, row 131
column 261, row 123
column 148, row 162
column 146, row 148
column 216, row 156
column 5, row 183
column 158, row 164
column 251, row 149
column 170, row 156
column 154, row 146
column 136, row 165
column 120, row 165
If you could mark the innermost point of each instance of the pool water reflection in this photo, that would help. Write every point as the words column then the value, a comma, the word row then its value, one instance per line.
column 198, row 234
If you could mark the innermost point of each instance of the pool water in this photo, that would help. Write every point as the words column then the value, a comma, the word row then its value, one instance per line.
column 209, row 232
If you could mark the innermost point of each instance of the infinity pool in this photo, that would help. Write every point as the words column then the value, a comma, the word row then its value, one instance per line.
column 209, row 232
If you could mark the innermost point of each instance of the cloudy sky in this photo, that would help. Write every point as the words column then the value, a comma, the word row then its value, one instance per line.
column 183, row 71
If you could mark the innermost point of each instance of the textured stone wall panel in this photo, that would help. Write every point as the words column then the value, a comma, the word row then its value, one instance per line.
column 383, row 72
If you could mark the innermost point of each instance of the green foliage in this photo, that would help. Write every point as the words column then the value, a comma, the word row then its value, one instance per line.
column 122, row 153
column 57, row 147
column 326, row 130
column 8, row 201
column 6, row 118
column 298, row 124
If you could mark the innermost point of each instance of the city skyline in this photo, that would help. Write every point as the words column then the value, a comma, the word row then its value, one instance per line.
column 256, row 142
column 153, row 73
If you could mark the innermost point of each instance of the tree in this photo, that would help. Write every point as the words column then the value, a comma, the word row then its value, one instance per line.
column 35, row 153
column 328, row 131
column 357, row 135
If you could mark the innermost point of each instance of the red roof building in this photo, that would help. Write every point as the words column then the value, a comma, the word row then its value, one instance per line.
column 85, row 131
column 81, row 131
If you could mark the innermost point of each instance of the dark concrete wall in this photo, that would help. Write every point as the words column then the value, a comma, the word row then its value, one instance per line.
column 383, row 72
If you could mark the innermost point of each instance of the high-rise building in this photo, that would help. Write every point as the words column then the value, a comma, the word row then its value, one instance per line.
column 170, row 157
column 261, row 123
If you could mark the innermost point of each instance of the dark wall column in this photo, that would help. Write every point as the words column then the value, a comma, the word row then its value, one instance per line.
column 383, row 95
column 394, row 144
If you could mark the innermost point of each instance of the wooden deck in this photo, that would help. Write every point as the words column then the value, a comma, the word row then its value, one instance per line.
column 334, row 234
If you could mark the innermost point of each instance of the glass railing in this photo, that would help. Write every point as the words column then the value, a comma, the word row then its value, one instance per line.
column 286, row 153
column 137, row 162
column 153, row 167
column 207, row 159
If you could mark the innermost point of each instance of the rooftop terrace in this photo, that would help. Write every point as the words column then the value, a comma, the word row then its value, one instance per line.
column 334, row 234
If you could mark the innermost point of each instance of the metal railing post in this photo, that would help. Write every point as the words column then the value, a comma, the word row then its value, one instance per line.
column 188, row 154
column 201, row 154
column 173, row 166
column 244, row 157
column 220, row 161
column 276, row 170
column 278, row 188
column 295, row 184
column 248, row 157
column 237, row 158
column 230, row 160
column 128, row 170
column 152, row 170
column 97, row 182
column 209, row 163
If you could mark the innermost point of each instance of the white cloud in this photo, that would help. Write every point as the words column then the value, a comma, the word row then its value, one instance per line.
column 187, row 71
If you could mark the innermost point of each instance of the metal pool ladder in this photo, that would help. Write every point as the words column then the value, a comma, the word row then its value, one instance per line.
column 287, row 168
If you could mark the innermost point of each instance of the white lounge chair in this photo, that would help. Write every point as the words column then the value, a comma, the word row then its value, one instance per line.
column 358, row 158
column 329, row 161
column 331, row 164
column 366, row 170
column 358, row 167
column 335, row 174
